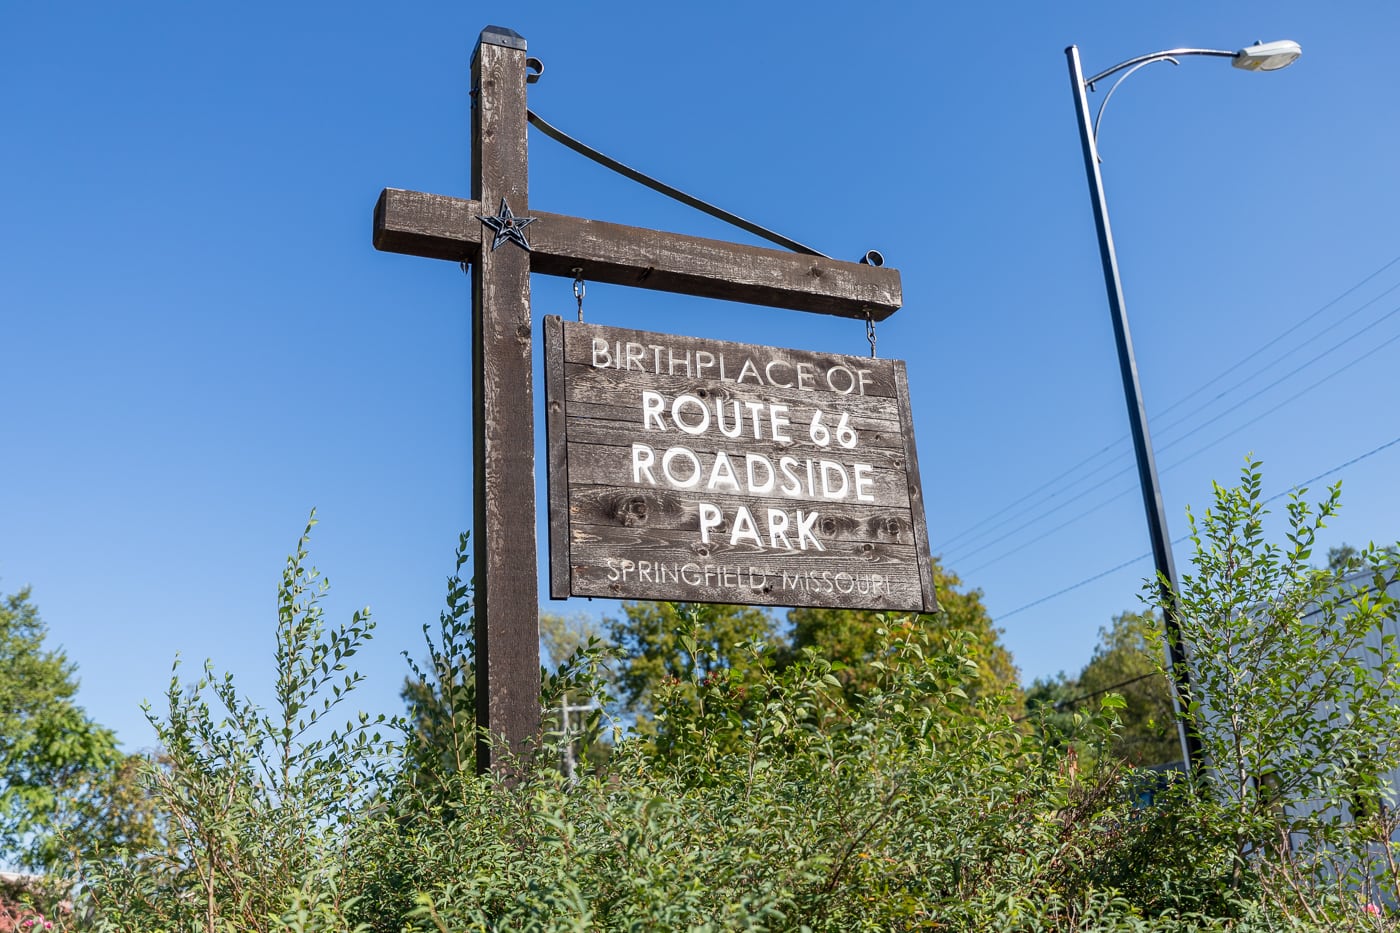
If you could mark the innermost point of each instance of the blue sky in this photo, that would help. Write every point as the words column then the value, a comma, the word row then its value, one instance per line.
column 198, row 343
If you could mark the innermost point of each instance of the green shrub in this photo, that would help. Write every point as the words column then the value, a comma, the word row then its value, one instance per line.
column 774, row 800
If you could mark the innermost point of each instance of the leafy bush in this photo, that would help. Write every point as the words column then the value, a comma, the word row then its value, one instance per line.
column 1296, row 694
column 770, row 798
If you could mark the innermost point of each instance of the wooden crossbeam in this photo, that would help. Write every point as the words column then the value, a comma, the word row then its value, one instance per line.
column 442, row 227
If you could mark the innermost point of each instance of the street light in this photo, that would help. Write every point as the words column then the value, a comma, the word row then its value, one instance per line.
column 1269, row 56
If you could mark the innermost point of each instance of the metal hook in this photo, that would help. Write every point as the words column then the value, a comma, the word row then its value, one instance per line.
column 870, row 331
column 579, row 290
column 534, row 68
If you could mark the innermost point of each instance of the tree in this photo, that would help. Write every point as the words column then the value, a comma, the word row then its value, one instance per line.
column 48, row 745
column 440, row 693
column 1050, row 704
column 851, row 639
column 1343, row 558
column 1128, row 662
column 683, row 642
column 56, row 764
column 562, row 636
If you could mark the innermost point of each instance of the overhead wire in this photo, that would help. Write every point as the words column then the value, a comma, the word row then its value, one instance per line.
column 1060, row 706
column 1195, row 453
column 964, row 555
column 1310, row 317
column 1133, row 560
column 981, row 528
column 1297, row 369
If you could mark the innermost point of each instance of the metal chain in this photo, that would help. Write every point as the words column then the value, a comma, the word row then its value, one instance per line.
column 579, row 290
column 870, row 332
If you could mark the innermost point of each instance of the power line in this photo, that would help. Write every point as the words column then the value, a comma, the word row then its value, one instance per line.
column 1294, row 397
column 1285, row 333
column 1128, row 563
column 1293, row 372
column 1279, row 359
column 981, row 524
column 1072, row 701
column 1163, row 447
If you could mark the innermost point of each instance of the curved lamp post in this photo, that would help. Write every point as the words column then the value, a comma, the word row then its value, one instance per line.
column 1269, row 56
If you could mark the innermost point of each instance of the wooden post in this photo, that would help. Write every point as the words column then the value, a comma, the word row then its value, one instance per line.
column 507, row 599
column 502, row 254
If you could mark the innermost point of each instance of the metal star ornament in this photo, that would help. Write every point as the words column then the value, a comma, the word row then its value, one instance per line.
column 508, row 227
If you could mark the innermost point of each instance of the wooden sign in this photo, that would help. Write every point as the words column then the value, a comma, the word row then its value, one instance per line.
column 699, row 470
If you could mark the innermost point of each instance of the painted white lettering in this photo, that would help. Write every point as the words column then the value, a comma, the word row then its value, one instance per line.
column 830, row 470
column 768, row 372
column 670, row 474
column 685, row 360
column 806, row 530
column 792, row 485
column 704, row 359
column 652, row 407
column 722, row 474
column 777, row 529
column 719, row 418
column 698, row 427
column 710, row 518
column 744, row 527
column 754, row 408
column 643, row 458
column 755, row 487
column 850, row 379
column 777, row 420
column 865, row 483
column 602, row 359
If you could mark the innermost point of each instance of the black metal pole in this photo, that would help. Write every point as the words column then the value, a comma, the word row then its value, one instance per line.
column 1137, row 418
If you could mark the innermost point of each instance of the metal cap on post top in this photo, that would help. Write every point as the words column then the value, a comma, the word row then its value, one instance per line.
column 500, row 35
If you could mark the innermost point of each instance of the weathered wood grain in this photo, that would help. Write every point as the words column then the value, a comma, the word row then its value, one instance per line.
column 587, row 384
column 873, row 432
column 633, row 531
column 556, row 457
column 762, row 581
column 443, row 227
column 916, row 496
column 507, row 600
column 886, row 450
column 640, row 352
column 596, row 464
column 838, row 526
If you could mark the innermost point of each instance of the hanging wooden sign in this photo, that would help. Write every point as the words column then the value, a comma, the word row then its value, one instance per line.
column 699, row 470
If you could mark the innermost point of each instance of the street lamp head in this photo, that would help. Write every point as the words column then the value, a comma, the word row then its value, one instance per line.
column 1268, row 56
